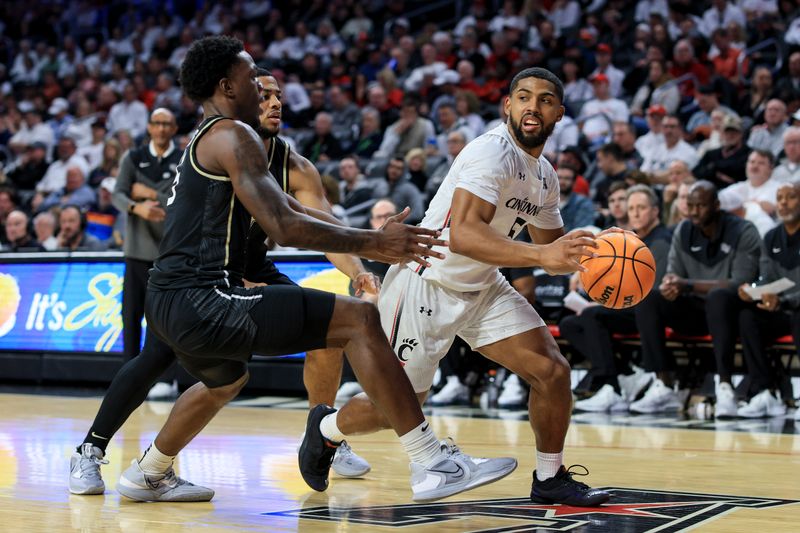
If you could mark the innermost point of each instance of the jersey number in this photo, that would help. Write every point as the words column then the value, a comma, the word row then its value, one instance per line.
column 516, row 226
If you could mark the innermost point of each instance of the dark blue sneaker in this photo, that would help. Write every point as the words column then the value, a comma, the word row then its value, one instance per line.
column 316, row 452
column 563, row 489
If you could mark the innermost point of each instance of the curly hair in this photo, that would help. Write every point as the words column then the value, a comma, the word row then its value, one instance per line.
column 208, row 61
column 542, row 74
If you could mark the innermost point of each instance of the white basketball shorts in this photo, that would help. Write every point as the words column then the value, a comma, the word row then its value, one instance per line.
column 422, row 318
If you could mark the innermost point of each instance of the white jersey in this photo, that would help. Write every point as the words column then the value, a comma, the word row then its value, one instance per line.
column 524, row 190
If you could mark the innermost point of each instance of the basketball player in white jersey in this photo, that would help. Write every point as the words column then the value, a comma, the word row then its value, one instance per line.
column 497, row 186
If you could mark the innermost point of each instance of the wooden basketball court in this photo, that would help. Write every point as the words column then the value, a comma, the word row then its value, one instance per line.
column 666, row 475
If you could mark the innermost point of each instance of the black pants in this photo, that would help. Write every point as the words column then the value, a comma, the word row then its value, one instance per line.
column 134, row 289
column 758, row 328
column 590, row 334
column 717, row 314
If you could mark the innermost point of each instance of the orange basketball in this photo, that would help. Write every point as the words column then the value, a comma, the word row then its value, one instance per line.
column 623, row 272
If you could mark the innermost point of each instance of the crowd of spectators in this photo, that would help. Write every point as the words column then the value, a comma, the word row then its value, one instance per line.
column 382, row 95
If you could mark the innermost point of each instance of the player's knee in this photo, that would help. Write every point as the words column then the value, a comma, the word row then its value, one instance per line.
column 554, row 370
column 367, row 316
column 226, row 393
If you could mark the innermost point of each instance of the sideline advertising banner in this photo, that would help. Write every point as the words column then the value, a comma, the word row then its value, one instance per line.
column 76, row 306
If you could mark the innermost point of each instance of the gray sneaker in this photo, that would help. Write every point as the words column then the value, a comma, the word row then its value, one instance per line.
column 348, row 463
column 166, row 487
column 456, row 472
column 84, row 470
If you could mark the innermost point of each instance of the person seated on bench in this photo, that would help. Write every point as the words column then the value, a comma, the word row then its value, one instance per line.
column 775, row 315
column 712, row 253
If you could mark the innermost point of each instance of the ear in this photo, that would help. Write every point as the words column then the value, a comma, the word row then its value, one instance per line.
column 561, row 112
column 227, row 87
column 507, row 105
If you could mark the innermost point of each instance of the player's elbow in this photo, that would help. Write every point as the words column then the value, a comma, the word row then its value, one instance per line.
column 460, row 243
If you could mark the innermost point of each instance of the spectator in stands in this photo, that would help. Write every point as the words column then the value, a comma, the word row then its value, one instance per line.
column 60, row 119
column 719, row 15
column 31, row 130
column 416, row 163
column 72, row 234
column 714, row 139
column 9, row 201
column 674, row 148
column 775, row 315
column 370, row 134
column 699, row 125
column 18, row 238
column 109, row 166
column 429, row 69
column 30, row 167
column 788, row 86
column 617, row 212
column 566, row 133
column 456, row 141
column 624, row 136
column 169, row 96
column 323, row 145
column 573, row 156
column 769, row 136
column 724, row 57
column 711, row 254
column 684, row 61
column 399, row 190
column 789, row 167
column 615, row 76
column 612, row 165
column 726, row 164
column 601, row 111
column 449, row 121
column 75, row 192
column 577, row 90
column 590, row 331
column 56, row 175
column 468, row 108
column 44, row 226
column 679, row 210
column 345, row 114
column 648, row 143
column 410, row 131
column 656, row 91
column 757, row 194
column 129, row 114
column 577, row 211
column 92, row 150
column 677, row 173
column 753, row 102
column 353, row 189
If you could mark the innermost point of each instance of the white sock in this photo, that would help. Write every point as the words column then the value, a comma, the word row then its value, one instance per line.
column 155, row 462
column 421, row 444
column 547, row 464
column 329, row 428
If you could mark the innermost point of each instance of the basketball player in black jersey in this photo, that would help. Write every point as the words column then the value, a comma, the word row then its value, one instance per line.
column 322, row 369
column 196, row 302
column 296, row 175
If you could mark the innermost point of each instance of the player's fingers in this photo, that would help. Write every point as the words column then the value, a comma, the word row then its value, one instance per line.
column 426, row 252
column 399, row 217
column 424, row 231
column 425, row 240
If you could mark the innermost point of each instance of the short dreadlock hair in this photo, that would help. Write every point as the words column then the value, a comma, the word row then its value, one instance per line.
column 208, row 60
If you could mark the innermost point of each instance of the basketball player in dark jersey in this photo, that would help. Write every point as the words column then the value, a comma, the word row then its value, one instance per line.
column 197, row 304
column 296, row 175
column 322, row 369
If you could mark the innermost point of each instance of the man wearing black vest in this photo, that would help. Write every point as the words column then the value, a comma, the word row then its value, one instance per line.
column 712, row 253
column 143, row 185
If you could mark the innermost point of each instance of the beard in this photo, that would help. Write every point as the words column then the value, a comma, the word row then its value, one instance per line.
column 266, row 133
column 531, row 140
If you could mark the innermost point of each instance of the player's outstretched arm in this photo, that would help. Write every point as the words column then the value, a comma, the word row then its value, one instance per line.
column 306, row 186
column 472, row 235
column 238, row 151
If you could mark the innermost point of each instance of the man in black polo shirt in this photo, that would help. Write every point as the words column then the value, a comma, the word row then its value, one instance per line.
column 712, row 253
column 143, row 185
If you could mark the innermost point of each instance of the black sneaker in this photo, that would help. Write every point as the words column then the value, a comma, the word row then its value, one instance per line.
column 316, row 452
column 563, row 489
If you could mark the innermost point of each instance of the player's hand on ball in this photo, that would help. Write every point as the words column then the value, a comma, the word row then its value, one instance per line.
column 564, row 254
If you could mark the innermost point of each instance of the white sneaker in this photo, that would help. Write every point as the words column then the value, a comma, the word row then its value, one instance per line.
column 84, row 470
column 513, row 394
column 762, row 405
column 725, row 405
column 453, row 393
column 348, row 390
column 658, row 399
column 167, row 487
column 162, row 390
column 603, row 401
column 456, row 472
column 797, row 413
column 348, row 463
column 635, row 383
